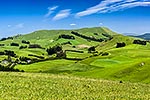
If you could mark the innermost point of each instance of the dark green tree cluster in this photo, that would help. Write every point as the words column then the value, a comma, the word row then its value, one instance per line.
column 25, row 42
column 66, row 36
column 54, row 50
column 3, row 39
column 87, row 37
column 57, row 50
column 8, row 52
column 119, row 45
column 139, row 42
column 14, row 44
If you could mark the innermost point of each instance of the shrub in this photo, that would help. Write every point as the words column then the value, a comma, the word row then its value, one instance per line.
column 14, row 44
column 2, row 44
column 2, row 53
column 25, row 42
column 27, row 60
column 74, row 46
column 61, row 54
column 34, row 46
column 91, row 49
column 139, row 42
column 66, row 36
column 3, row 39
column 120, row 45
column 22, row 47
column 87, row 37
column 53, row 50
column 10, row 53
column 105, row 54
column 24, row 58
column 95, row 33
column 10, row 38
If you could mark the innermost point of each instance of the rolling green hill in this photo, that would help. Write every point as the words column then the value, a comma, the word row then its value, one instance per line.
column 129, row 63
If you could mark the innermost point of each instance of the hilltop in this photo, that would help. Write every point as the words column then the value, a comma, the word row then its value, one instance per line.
column 89, row 52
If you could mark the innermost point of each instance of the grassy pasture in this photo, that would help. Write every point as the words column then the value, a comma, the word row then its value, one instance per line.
column 94, row 78
column 127, row 63
column 33, row 86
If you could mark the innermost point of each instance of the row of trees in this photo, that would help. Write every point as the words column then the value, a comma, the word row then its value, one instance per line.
column 87, row 37
column 66, row 36
column 3, row 39
column 8, row 52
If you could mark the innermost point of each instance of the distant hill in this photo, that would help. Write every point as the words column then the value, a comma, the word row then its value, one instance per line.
column 145, row 36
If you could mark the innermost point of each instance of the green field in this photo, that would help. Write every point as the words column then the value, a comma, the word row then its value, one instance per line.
column 80, row 75
column 38, row 86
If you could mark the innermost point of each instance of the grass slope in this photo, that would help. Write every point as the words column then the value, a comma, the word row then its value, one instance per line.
column 130, row 63
column 27, row 86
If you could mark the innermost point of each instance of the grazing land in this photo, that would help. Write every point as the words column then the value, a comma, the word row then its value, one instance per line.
column 89, row 63
column 57, row 87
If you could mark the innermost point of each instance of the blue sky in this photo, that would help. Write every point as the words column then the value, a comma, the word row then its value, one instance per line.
column 25, row 16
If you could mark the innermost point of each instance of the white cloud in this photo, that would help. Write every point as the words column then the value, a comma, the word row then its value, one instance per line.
column 100, row 23
column 95, row 9
column 50, row 10
column 62, row 14
column 18, row 26
column 72, row 24
column 15, row 27
column 112, row 5
column 8, row 26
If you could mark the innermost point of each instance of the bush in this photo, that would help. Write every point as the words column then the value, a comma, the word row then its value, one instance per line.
column 120, row 45
column 66, row 36
column 25, row 42
column 10, row 53
column 95, row 33
column 22, row 47
column 73, row 46
column 91, row 49
column 61, row 54
column 3, row 39
column 53, row 50
column 2, row 53
column 14, row 44
column 139, row 42
column 105, row 54
column 87, row 37
column 2, row 44
column 34, row 46
column 24, row 58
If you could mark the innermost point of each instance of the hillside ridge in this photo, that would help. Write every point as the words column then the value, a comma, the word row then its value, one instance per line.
column 89, row 52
